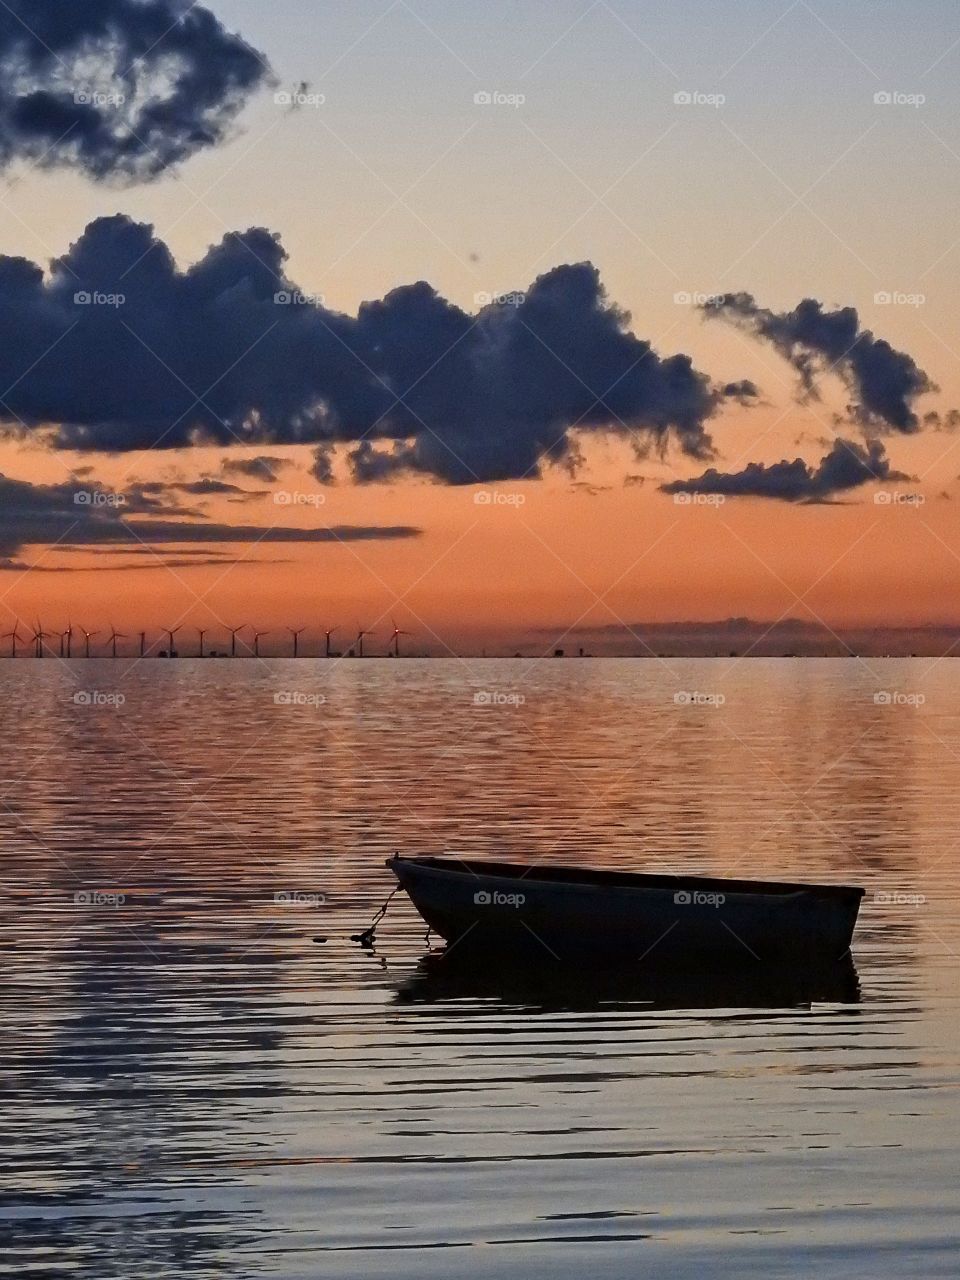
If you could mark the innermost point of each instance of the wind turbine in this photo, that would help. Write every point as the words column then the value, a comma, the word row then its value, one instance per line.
column 115, row 635
column 86, row 641
column 201, row 632
column 171, row 632
column 143, row 644
column 395, row 639
column 234, row 632
column 296, row 632
column 66, row 642
column 13, row 636
column 256, row 642
column 327, row 635
column 360, row 634
column 39, row 636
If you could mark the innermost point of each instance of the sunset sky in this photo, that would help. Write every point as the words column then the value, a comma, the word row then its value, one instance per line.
column 687, row 151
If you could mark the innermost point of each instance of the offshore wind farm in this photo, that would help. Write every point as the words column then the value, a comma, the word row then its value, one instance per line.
column 38, row 641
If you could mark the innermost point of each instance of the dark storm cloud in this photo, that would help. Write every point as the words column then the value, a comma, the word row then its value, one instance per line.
column 155, row 562
column 205, row 487
column 261, row 468
column 949, row 421
column 127, row 552
column 118, row 88
column 883, row 382
column 78, row 516
column 744, row 392
column 847, row 466
column 123, row 351
column 493, row 396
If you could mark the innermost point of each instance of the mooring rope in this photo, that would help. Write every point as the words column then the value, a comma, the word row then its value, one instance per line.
column 368, row 937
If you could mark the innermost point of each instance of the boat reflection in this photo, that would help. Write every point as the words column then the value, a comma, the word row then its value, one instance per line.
column 442, row 978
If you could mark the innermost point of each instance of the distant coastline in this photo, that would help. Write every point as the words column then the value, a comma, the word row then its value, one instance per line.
column 725, row 638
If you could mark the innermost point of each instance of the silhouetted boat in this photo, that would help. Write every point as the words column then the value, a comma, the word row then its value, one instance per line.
column 572, row 911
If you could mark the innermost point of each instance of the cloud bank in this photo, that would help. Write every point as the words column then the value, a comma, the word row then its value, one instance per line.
column 884, row 383
column 120, row 89
column 124, row 351
column 847, row 466
column 69, row 514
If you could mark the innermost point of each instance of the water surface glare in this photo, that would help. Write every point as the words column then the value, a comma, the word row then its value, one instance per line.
column 194, row 1086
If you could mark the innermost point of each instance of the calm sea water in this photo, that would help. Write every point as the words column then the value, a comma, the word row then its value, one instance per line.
column 193, row 1086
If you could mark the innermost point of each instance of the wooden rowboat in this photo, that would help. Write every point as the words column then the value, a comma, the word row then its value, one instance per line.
column 569, row 912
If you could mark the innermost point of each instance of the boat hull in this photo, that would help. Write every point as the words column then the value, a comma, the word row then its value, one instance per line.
column 568, row 912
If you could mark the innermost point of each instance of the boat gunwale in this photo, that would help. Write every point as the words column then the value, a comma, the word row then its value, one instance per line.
column 606, row 878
